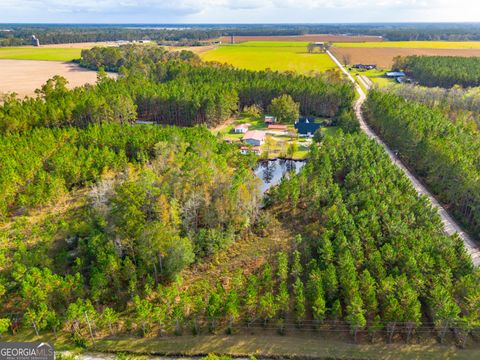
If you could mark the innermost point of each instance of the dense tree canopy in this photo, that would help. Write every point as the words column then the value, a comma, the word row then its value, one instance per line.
column 285, row 109
column 443, row 71
column 167, row 88
column 377, row 248
column 444, row 154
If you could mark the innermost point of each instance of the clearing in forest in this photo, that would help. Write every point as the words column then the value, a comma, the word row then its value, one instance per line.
column 281, row 56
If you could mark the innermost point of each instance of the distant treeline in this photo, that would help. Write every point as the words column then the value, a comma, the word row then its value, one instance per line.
column 444, row 154
column 190, row 34
column 168, row 88
column 442, row 71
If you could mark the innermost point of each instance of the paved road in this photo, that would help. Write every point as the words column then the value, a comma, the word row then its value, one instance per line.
column 450, row 226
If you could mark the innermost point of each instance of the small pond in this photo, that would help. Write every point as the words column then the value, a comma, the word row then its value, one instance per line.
column 271, row 172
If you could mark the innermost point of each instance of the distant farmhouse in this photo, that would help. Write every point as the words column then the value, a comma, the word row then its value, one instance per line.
column 307, row 127
column 364, row 66
column 318, row 45
column 35, row 41
column 254, row 137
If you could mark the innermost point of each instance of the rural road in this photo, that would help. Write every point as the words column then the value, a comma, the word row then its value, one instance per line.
column 450, row 226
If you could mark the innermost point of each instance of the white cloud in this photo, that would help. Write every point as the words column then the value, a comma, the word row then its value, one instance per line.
column 237, row 10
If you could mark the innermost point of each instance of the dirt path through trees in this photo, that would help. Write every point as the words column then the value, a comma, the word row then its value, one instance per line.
column 450, row 225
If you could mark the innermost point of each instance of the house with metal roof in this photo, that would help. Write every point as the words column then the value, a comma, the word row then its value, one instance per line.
column 241, row 128
column 395, row 74
column 306, row 126
column 254, row 137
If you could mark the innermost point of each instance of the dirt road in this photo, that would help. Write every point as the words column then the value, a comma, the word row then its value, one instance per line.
column 450, row 225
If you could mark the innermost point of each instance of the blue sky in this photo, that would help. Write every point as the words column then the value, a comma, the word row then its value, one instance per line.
column 238, row 11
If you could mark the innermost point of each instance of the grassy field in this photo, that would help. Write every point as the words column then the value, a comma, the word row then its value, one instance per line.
column 265, row 345
column 31, row 53
column 261, row 55
column 413, row 44
column 376, row 76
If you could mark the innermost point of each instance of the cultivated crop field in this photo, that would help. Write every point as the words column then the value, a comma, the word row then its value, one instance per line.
column 307, row 38
column 261, row 55
column 41, row 53
column 413, row 44
column 383, row 57
column 24, row 76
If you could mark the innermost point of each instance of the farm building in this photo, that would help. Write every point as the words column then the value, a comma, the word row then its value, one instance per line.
column 307, row 127
column 244, row 150
column 270, row 119
column 277, row 127
column 365, row 66
column 241, row 128
column 254, row 137
column 395, row 74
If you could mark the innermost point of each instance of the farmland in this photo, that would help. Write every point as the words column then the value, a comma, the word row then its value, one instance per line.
column 383, row 57
column 413, row 44
column 24, row 76
column 281, row 56
column 31, row 53
column 307, row 37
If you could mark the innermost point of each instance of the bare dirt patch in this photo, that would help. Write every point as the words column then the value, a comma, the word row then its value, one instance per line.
column 24, row 76
column 85, row 45
column 308, row 37
column 383, row 57
column 194, row 49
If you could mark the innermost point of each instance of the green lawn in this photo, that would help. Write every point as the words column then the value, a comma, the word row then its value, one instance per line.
column 377, row 76
column 414, row 44
column 30, row 53
column 330, row 130
column 261, row 55
column 279, row 143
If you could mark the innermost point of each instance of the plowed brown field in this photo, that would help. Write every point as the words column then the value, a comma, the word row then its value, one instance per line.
column 309, row 37
column 383, row 57
column 24, row 76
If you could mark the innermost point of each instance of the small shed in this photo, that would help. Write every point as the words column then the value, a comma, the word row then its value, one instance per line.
column 277, row 127
column 395, row 74
column 244, row 150
column 270, row 119
column 241, row 128
column 254, row 137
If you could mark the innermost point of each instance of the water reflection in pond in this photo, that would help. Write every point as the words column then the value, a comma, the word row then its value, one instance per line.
column 271, row 172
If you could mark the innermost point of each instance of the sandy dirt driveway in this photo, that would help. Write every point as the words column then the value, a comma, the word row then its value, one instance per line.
column 24, row 76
